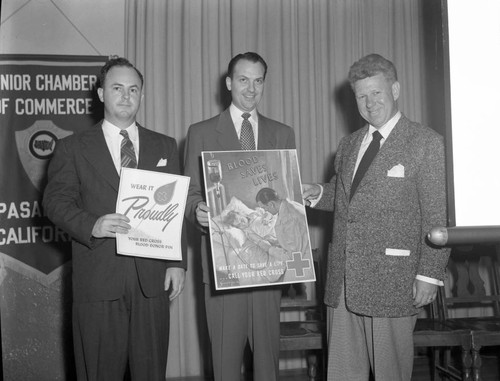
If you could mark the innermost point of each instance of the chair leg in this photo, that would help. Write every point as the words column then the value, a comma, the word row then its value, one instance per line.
column 467, row 363
column 434, row 362
column 442, row 365
column 476, row 363
column 312, row 365
column 447, row 359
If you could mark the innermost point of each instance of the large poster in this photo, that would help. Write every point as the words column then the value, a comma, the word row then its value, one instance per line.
column 42, row 99
column 258, row 226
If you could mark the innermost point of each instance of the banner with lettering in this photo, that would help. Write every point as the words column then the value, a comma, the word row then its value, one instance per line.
column 258, row 226
column 43, row 99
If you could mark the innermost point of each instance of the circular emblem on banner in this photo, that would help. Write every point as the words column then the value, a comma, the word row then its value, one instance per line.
column 42, row 144
column 35, row 146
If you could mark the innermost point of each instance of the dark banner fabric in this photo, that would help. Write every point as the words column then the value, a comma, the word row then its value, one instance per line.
column 42, row 99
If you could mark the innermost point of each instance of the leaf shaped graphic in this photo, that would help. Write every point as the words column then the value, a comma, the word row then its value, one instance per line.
column 164, row 194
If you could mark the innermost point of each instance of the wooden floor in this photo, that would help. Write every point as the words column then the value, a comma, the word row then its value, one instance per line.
column 490, row 370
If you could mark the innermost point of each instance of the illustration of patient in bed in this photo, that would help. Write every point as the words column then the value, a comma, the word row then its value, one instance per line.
column 244, row 245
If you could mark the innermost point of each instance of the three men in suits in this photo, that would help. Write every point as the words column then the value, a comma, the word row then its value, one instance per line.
column 381, row 270
column 236, row 317
column 120, row 303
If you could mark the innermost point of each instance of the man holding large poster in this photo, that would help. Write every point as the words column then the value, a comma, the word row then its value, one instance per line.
column 120, row 303
column 251, row 314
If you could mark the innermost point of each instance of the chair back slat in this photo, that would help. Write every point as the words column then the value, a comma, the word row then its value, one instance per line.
column 473, row 284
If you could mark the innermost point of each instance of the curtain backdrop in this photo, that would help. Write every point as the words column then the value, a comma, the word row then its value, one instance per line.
column 183, row 48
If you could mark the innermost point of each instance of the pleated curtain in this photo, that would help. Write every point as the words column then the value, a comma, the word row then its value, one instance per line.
column 183, row 48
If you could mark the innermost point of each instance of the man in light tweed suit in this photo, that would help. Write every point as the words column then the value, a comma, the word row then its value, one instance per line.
column 381, row 270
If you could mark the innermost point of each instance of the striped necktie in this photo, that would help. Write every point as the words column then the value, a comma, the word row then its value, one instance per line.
column 128, row 158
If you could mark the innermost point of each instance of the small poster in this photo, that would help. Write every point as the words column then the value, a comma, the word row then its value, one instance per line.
column 155, row 203
column 258, row 226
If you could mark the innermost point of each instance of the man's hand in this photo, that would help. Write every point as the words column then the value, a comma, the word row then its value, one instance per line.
column 202, row 213
column 423, row 293
column 310, row 192
column 110, row 224
column 174, row 280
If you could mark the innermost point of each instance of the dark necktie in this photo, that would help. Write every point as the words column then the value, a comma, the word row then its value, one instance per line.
column 128, row 158
column 366, row 160
column 247, row 139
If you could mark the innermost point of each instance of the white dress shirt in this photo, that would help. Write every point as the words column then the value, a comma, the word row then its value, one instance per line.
column 385, row 130
column 237, row 120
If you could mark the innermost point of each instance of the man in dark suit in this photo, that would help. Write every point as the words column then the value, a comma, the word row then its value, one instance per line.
column 381, row 270
column 237, row 316
column 120, row 303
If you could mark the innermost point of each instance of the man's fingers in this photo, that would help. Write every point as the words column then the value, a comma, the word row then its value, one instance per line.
column 202, row 214
column 110, row 224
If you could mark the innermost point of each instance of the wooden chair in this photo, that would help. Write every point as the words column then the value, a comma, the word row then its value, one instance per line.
column 473, row 301
column 309, row 333
column 437, row 333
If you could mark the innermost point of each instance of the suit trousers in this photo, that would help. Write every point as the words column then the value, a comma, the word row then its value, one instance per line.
column 237, row 317
column 359, row 343
column 133, row 331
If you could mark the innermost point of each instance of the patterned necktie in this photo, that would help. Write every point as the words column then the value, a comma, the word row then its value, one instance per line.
column 127, row 151
column 366, row 160
column 247, row 139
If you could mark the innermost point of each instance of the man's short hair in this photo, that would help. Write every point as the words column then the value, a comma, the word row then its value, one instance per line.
column 249, row 56
column 117, row 61
column 266, row 195
column 371, row 65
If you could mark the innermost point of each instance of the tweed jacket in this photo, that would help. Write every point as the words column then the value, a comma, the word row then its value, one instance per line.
column 218, row 134
column 379, row 238
column 83, row 186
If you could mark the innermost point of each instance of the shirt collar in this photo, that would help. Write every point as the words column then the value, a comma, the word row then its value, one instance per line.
column 387, row 128
column 111, row 130
column 236, row 114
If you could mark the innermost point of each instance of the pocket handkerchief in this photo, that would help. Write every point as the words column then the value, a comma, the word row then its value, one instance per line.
column 396, row 171
column 162, row 163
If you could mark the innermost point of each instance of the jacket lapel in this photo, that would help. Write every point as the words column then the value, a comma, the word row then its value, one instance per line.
column 95, row 150
column 350, row 156
column 267, row 139
column 393, row 146
column 227, row 137
column 149, row 152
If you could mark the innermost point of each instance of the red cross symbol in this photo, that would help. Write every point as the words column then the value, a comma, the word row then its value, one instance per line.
column 298, row 264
